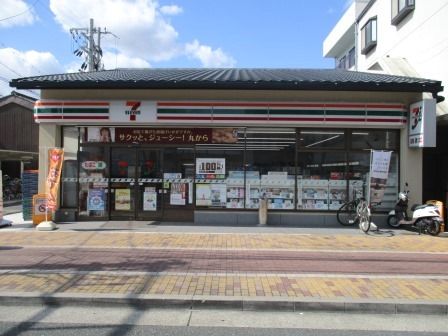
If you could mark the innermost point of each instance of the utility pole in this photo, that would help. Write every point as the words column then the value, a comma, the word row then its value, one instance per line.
column 92, row 52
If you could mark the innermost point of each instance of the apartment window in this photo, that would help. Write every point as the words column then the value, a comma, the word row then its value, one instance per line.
column 351, row 58
column 368, row 36
column 341, row 64
column 400, row 9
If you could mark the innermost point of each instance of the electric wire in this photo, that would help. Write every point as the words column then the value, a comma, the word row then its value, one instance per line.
column 16, row 15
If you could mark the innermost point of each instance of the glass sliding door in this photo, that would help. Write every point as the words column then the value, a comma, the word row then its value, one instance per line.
column 122, row 182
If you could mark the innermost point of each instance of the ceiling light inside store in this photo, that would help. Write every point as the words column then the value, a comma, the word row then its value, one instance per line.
column 321, row 141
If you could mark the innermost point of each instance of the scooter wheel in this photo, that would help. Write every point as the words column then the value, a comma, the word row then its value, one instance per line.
column 392, row 221
column 433, row 228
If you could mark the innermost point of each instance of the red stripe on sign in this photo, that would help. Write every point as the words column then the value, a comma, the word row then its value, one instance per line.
column 240, row 118
column 346, row 119
column 386, row 120
column 87, row 117
column 183, row 118
column 47, row 117
column 132, row 103
column 296, row 119
column 53, row 103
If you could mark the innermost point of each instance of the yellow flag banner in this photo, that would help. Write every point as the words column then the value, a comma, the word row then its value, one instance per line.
column 55, row 159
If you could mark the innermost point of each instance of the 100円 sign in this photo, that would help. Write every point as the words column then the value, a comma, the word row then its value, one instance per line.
column 206, row 167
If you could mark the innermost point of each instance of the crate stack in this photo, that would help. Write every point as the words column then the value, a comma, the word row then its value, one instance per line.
column 29, row 188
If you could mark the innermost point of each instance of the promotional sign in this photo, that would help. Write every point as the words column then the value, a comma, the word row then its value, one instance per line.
column 39, row 208
column 95, row 200
column 149, row 201
column 99, row 134
column 55, row 160
column 203, row 193
column 133, row 111
column 379, row 171
column 218, row 194
column 210, row 168
column 93, row 165
column 1, row 197
column 122, row 199
column 422, row 124
column 177, row 194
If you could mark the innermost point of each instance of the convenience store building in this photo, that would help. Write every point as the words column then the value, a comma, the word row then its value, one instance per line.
column 203, row 145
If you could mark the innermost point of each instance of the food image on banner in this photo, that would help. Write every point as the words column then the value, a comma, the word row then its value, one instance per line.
column 203, row 193
column 100, row 134
column 55, row 160
column 218, row 194
column 95, row 200
column 122, row 199
column 150, row 201
column 177, row 194
column 224, row 135
column 379, row 172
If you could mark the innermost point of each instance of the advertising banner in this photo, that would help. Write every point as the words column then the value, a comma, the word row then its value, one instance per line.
column 99, row 134
column 1, row 197
column 218, row 193
column 95, row 200
column 178, row 194
column 203, row 193
column 123, row 199
column 379, row 171
column 210, row 168
column 55, row 160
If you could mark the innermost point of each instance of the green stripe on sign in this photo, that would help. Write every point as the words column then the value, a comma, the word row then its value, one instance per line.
column 240, row 111
column 387, row 113
column 297, row 112
column 47, row 110
column 89, row 110
column 184, row 111
column 345, row 113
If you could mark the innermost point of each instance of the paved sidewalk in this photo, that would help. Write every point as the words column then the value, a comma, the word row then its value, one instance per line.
column 240, row 288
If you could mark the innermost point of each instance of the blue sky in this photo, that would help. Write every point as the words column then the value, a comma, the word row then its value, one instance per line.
column 35, row 38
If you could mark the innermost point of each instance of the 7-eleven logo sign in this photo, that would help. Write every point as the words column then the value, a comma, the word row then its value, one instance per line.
column 133, row 109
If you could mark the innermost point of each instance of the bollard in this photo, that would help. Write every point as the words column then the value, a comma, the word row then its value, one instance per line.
column 263, row 211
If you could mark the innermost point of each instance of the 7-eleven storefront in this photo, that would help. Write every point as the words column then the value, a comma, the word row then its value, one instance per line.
column 157, row 156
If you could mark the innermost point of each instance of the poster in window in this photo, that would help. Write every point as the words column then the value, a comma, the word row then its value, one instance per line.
column 95, row 200
column 150, row 201
column 203, row 193
column 100, row 134
column 122, row 199
column 218, row 193
column 177, row 194
column 379, row 171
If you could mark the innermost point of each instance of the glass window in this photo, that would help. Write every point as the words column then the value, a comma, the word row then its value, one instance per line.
column 219, row 170
column 351, row 58
column 341, row 64
column 313, row 139
column 375, row 139
column 270, row 167
column 321, row 182
column 400, row 9
column 368, row 36
column 93, row 181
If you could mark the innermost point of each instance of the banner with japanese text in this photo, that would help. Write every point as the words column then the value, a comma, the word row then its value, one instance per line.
column 379, row 172
column 55, row 160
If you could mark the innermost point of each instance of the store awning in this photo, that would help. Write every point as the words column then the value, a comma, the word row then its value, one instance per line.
column 10, row 155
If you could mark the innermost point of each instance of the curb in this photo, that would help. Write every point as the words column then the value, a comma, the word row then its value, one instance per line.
column 233, row 303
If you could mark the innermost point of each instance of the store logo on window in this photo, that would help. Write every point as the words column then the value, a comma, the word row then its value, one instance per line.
column 133, row 109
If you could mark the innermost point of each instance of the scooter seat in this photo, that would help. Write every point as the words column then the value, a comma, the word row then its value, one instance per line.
column 416, row 206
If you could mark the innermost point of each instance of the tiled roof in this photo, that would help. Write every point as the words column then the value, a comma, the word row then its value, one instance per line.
column 246, row 79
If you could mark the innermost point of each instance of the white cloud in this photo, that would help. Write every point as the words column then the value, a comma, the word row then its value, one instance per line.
column 112, row 61
column 15, row 64
column 171, row 10
column 16, row 13
column 144, row 33
column 209, row 57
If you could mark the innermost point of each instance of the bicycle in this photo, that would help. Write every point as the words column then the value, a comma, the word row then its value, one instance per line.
column 363, row 215
column 346, row 214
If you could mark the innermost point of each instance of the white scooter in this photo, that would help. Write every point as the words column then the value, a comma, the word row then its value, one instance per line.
column 425, row 217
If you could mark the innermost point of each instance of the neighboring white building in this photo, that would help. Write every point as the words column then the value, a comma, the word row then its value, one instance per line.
column 399, row 37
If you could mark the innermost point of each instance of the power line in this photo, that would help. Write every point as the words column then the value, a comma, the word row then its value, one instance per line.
column 28, row 9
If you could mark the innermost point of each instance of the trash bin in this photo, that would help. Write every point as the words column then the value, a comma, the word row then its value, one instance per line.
column 263, row 210
column 439, row 205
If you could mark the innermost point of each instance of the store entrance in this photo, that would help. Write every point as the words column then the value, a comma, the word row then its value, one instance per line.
column 149, row 184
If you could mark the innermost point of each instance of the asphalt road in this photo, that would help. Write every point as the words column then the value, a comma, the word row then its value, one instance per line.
column 166, row 260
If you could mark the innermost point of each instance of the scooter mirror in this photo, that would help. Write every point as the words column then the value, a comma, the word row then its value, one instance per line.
column 406, row 184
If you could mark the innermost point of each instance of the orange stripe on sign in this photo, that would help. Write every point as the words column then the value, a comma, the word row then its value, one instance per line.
column 55, row 103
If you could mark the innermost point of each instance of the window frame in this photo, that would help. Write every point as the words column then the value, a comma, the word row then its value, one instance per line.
column 396, row 18
column 367, row 40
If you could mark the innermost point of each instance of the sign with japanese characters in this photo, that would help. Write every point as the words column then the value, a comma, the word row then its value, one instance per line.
column 163, row 135
column 422, row 124
column 55, row 160
column 210, row 168
column 95, row 200
column 379, row 172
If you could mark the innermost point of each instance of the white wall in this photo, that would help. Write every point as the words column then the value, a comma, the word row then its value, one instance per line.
column 421, row 38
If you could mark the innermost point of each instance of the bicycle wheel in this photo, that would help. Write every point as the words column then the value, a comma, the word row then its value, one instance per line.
column 364, row 216
column 346, row 214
